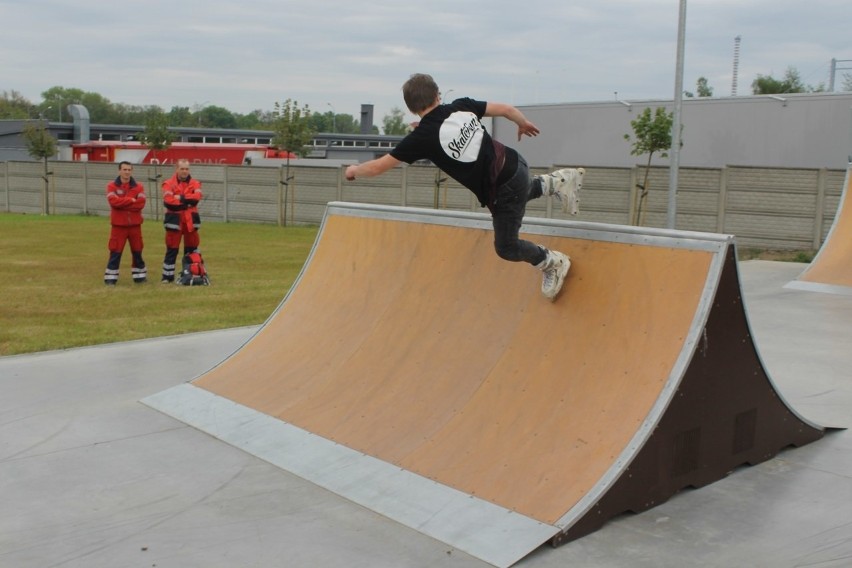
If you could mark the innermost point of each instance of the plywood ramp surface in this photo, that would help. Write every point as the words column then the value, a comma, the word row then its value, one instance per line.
column 419, row 346
column 831, row 269
column 407, row 340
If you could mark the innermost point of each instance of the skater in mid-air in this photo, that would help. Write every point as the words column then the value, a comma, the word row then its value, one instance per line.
column 453, row 138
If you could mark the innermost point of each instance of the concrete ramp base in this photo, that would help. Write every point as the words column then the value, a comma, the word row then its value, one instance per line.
column 831, row 269
column 439, row 511
column 411, row 370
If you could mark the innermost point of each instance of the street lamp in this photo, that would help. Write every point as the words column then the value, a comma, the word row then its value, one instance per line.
column 333, row 118
column 199, row 108
column 674, row 156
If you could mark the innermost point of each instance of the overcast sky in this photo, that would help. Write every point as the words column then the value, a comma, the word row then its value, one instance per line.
column 338, row 54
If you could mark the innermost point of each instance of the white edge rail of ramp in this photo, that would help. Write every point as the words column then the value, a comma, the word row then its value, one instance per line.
column 818, row 287
column 486, row 531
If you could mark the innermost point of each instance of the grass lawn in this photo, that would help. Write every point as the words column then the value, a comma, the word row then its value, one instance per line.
column 52, row 294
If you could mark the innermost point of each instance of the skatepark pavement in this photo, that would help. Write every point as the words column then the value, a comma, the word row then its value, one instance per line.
column 91, row 477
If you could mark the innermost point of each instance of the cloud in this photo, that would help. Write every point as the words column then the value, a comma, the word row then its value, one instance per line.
column 246, row 56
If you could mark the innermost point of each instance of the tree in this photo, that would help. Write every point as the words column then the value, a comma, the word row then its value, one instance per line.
column 332, row 122
column 847, row 81
column 216, row 117
column 293, row 132
column 132, row 114
column 101, row 110
column 325, row 122
column 651, row 135
column 180, row 116
column 791, row 83
column 702, row 87
column 157, row 137
column 346, row 123
column 55, row 101
column 394, row 123
column 257, row 118
column 292, row 127
column 41, row 146
column 14, row 105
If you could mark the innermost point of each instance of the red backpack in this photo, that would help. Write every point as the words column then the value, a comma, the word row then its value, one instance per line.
column 194, row 272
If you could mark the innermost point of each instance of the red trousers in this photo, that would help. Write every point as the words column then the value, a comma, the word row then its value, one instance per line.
column 190, row 240
column 118, row 237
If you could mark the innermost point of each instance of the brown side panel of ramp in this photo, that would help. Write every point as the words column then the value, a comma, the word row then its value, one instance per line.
column 414, row 343
column 833, row 264
column 725, row 413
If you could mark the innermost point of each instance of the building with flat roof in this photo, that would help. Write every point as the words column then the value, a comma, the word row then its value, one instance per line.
column 809, row 130
column 812, row 130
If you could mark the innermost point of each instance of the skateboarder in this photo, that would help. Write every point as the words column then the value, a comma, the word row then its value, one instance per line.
column 453, row 138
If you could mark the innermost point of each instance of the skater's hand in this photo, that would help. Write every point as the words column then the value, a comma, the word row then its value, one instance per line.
column 350, row 172
column 528, row 128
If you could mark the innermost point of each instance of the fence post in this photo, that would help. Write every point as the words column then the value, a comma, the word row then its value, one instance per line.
column 633, row 199
column 404, row 188
column 723, row 200
column 281, row 185
column 6, row 177
column 225, row 194
column 86, row 188
column 292, row 188
column 820, row 208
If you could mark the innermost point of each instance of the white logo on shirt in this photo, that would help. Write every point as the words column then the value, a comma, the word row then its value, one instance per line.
column 461, row 136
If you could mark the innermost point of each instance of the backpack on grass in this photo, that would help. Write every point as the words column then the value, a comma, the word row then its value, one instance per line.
column 194, row 272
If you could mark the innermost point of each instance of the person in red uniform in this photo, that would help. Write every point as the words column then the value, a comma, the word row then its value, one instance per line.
column 181, row 194
column 126, row 199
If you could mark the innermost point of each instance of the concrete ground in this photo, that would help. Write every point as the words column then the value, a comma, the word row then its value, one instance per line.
column 90, row 477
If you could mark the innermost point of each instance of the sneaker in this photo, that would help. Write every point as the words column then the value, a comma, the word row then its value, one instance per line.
column 554, row 267
column 565, row 185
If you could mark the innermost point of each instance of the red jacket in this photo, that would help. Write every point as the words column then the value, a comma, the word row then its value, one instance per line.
column 126, row 201
column 180, row 198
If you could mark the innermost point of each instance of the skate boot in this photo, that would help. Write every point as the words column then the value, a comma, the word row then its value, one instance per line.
column 554, row 267
column 565, row 185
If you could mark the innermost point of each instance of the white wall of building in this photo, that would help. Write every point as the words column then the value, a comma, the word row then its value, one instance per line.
column 798, row 130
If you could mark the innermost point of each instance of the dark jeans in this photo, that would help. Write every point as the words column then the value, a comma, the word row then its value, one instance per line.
column 508, row 213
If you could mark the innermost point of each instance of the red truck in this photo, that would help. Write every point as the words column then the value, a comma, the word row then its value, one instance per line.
column 209, row 153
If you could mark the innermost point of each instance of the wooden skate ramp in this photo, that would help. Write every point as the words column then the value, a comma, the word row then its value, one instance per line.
column 831, row 269
column 412, row 371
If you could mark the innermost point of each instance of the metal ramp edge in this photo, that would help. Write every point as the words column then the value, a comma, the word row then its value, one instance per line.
column 500, row 537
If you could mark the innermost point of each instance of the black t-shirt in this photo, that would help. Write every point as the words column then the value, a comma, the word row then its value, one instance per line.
column 453, row 138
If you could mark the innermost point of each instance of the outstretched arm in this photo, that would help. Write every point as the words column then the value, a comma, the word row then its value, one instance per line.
column 513, row 114
column 372, row 168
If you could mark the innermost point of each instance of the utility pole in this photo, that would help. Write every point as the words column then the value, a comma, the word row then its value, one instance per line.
column 333, row 118
column 833, row 72
column 736, row 65
column 678, row 102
